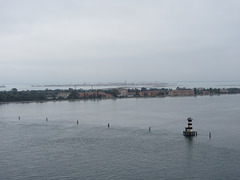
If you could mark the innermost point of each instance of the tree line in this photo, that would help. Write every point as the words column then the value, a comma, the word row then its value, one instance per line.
column 42, row 95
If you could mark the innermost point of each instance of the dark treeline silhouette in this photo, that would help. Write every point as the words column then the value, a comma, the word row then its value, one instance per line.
column 14, row 95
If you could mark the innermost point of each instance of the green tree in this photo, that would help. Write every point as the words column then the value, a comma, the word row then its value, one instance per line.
column 114, row 92
column 211, row 90
column 195, row 91
column 136, row 92
column 73, row 95
column 14, row 89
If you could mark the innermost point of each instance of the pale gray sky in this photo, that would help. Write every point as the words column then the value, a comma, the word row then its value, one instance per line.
column 75, row 41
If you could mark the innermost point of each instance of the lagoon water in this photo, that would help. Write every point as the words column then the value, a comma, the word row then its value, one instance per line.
column 33, row 148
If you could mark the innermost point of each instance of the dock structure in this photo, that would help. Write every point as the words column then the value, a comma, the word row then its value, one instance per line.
column 188, row 130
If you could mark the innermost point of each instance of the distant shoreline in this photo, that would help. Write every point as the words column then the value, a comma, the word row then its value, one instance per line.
column 43, row 96
column 75, row 100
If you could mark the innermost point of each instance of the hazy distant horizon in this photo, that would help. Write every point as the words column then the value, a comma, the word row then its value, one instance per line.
column 60, row 41
column 91, row 85
column 114, row 82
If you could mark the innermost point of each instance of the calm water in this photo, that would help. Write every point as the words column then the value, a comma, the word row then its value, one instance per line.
column 31, row 148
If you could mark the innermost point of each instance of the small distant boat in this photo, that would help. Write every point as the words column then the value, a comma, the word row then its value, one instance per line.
column 188, row 130
column 2, row 86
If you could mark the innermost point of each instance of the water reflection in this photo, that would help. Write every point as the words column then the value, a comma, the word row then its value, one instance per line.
column 189, row 142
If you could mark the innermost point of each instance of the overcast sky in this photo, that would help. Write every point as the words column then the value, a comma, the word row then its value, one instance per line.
column 75, row 41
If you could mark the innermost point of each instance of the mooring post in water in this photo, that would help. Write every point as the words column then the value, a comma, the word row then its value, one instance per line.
column 77, row 121
column 108, row 125
column 210, row 134
column 46, row 119
column 149, row 129
column 19, row 117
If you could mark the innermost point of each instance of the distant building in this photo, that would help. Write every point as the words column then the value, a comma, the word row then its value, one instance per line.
column 122, row 92
column 131, row 94
column 205, row 92
column 63, row 95
column 88, row 94
column 181, row 93
column 105, row 95
column 94, row 95
column 223, row 91
column 151, row 93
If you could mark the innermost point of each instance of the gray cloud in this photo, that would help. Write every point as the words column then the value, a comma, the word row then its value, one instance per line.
column 106, row 40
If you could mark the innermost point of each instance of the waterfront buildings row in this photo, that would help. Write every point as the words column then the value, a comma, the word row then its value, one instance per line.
column 120, row 93
column 58, row 94
column 181, row 93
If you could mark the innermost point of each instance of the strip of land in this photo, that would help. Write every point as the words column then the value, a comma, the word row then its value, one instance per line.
column 72, row 94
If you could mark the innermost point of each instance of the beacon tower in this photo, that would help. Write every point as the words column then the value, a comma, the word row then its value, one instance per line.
column 188, row 130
